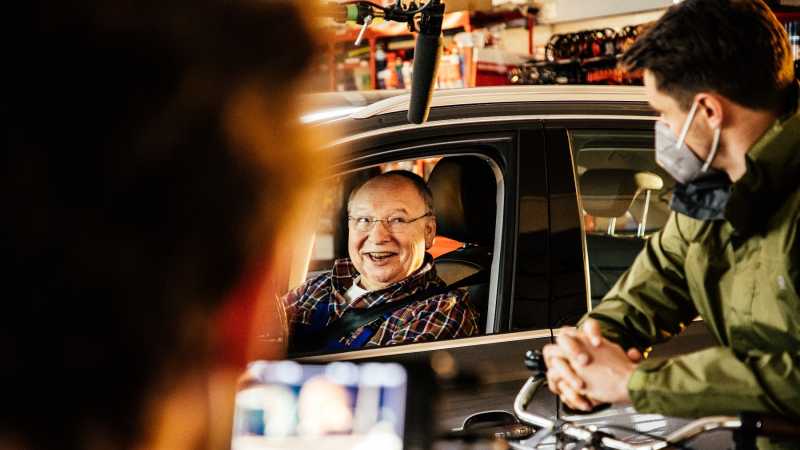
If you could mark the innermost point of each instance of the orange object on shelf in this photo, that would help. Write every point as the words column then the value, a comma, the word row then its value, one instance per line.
column 442, row 245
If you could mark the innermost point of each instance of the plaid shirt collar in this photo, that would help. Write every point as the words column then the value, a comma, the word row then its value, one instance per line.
column 344, row 274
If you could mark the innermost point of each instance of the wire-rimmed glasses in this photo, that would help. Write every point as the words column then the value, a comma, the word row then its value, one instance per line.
column 364, row 224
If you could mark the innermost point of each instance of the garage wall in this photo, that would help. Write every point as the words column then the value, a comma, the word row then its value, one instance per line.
column 557, row 11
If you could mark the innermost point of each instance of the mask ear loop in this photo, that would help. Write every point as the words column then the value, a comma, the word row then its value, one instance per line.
column 687, row 124
column 713, row 152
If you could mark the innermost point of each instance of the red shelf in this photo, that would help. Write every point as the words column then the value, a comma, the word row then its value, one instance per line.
column 788, row 16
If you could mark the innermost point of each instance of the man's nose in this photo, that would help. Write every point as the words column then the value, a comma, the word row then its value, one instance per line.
column 379, row 232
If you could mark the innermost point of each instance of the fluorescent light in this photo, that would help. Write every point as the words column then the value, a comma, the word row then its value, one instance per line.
column 331, row 113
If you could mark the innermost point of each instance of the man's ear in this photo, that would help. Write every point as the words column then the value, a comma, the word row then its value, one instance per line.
column 430, row 232
column 711, row 106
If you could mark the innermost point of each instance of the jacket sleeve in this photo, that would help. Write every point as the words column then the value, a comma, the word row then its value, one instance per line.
column 650, row 302
column 717, row 381
column 298, row 302
column 292, row 302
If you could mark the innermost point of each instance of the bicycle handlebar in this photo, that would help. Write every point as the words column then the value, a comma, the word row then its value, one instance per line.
column 763, row 426
column 579, row 433
column 524, row 398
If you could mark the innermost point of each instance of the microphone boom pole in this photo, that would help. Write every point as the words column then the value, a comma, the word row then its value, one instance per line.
column 427, row 49
column 427, row 53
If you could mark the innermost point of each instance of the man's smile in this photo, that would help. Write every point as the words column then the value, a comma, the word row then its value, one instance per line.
column 378, row 257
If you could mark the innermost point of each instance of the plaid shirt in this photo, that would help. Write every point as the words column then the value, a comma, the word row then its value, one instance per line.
column 443, row 316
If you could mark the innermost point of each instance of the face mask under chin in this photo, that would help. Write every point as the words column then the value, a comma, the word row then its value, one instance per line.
column 704, row 198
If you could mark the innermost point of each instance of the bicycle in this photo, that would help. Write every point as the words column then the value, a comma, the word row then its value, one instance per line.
column 745, row 427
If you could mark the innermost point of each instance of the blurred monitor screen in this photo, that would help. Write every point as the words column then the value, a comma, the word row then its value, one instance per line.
column 287, row 405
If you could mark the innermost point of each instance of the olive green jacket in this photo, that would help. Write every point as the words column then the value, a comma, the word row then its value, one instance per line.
column 742, row 276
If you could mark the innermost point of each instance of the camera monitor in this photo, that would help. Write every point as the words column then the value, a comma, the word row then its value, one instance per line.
column 341, row 405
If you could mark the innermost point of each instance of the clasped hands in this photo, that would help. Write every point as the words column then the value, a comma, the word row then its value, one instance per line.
column 585, row 369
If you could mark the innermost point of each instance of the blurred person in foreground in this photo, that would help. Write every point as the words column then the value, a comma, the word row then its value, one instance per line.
column 391, row 225
column 152, row 161
column 730, row 135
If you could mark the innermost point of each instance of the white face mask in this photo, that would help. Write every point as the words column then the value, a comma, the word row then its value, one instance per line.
column 676, row 157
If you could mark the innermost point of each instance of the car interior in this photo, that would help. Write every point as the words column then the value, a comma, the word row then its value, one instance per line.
column 464, row 189
column 464, row 197
column 624, row 198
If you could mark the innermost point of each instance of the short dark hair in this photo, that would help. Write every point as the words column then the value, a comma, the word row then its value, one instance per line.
column 736, row 48
column 417, row 181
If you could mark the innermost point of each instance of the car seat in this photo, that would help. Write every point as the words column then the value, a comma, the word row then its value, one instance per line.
column 465, row 203
column 609, row 193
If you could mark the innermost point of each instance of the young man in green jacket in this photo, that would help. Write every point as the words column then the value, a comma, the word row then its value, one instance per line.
column 720, row 74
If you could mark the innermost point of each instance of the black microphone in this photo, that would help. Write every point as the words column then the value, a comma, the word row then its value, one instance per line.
column 427, row 53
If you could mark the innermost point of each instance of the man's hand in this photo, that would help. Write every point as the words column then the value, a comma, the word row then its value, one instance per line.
column 562, row 379
column 574, row 377
column 606, row 377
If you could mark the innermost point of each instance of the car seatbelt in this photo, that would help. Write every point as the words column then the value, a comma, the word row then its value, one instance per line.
column 354, row 319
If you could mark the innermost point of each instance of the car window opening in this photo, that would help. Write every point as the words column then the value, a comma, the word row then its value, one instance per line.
column 464, row 191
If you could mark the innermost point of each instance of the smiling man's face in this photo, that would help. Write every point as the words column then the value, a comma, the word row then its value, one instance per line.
column 383, row 257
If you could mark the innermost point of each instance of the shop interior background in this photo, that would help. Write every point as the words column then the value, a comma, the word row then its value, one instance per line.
column 502, row 42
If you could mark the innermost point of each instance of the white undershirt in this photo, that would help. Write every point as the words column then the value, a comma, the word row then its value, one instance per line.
column 355, row 290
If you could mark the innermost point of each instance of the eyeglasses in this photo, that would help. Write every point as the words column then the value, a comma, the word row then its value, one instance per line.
column 393, row 224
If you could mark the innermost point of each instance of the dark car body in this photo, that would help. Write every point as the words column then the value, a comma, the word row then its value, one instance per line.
column 547, row 270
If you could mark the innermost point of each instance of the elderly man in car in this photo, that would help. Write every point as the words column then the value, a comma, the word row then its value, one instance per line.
column 387, row 292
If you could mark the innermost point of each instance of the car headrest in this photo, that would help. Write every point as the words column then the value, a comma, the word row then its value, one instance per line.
column 464, row 198
column 610, row 192
column 648, row 181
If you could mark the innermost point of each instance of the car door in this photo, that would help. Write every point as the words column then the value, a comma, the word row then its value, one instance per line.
column 486, row 372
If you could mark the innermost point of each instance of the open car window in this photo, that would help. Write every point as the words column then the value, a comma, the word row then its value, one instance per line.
column 465, row 190
column 624, row 197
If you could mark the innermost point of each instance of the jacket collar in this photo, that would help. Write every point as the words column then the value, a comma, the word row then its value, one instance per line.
column 773, row 172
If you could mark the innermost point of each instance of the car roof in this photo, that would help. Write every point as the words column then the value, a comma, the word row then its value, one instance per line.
column 508, row 94
column 321, row 100
column 349, row 123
